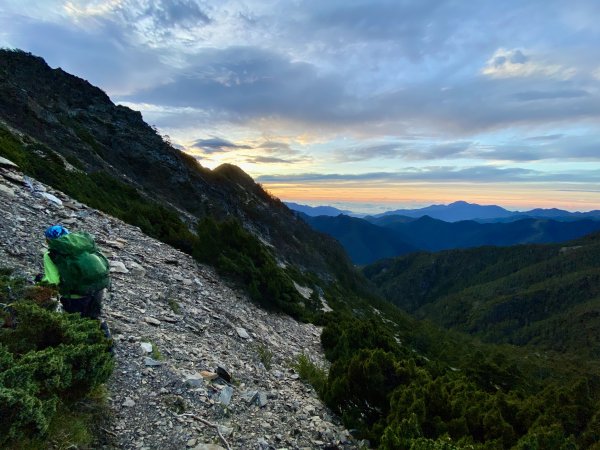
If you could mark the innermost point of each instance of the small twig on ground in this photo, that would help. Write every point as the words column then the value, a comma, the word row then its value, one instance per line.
column 112, row 433
column 212, row 425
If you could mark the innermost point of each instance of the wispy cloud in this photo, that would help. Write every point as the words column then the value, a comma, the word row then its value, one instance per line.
column 527, row 96
column 477, row 174
column 217, row 145
column 514, row 63
column 273, row 160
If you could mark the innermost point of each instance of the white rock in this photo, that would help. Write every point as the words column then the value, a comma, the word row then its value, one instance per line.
column 128, row 402
column 118, row 267
column 6, row 191
column 136, row 269
column 7, row 163
column 242, row 333
column 146, row 347
column 54, row 199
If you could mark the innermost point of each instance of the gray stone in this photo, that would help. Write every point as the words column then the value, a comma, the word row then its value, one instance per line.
column 150, row 362
column 225, row 431
column 208, row 447
column 152, row 321
column 115, row 244
column 118, row 267
column 6, row 191
column 242, row 333
column 194, row 381
column 225, row 395
column 262, row 399
column 12, row 176
column 136, row 269
column 250, row 396
column 128, row 402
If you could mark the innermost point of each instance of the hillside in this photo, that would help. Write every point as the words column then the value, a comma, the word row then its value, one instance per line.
column 363, row 241
column 430, row 234
column 58, row 128
column 195, row 321
column 544, row 295
column 372, row 238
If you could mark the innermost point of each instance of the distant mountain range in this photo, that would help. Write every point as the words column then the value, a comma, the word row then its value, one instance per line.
column 314, row 211
column 372, row 238
column 461, row 210
column 363, row 241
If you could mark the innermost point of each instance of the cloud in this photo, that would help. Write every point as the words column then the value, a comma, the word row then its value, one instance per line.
column 257, row 87
column 102, row 54
column 514, row 63
column 476, row 174
column 163, row 14
column 551, row 95
column 403, row 150
column 273, row 160
column 546, row 137
column 93, row 8
column 171, row 13
column 217, row 145
column 382, row 151
column 250, row 83
column 280, row 148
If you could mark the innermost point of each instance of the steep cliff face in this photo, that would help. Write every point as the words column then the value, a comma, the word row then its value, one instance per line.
column 186, row 313
column 79, row 122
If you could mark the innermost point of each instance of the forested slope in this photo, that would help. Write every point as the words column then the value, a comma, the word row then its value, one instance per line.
column 548, row 295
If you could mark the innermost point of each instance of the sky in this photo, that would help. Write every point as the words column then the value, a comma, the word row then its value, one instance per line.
column 368, row 105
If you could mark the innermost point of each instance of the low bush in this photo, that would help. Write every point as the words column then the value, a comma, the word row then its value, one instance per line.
column 48, row 361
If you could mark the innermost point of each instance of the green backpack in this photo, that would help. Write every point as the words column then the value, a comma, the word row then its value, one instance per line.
column 83, row 269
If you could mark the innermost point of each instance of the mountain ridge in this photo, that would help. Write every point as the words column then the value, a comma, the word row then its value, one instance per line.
column 407, row 234
column 461, row 210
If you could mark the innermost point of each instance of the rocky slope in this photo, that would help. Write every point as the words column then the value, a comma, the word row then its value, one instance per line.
column 162, row 298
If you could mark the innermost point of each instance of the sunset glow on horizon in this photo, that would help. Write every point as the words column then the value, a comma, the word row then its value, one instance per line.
column 366, row 199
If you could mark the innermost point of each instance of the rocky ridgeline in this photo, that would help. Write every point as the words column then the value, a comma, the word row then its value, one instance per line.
column 195, row 359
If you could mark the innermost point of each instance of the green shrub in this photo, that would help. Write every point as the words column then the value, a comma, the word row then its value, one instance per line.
column 238, row 254
column 311, row 373
column 264, row 355
column 46, row 361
